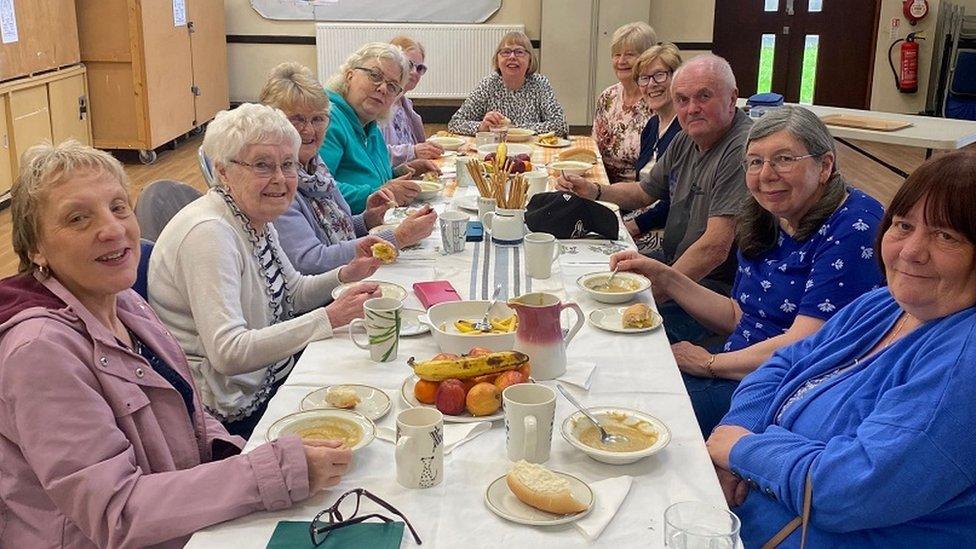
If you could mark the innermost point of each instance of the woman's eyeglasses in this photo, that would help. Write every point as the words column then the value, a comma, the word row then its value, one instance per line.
column 376, row 77
column 265, row 169
column 300, row 122
column 517, row 52
column 780, row 163
column 419, row 67
column 345, row 511
column 658, row 77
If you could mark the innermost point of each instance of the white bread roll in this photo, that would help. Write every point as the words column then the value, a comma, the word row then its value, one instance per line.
column 541, row 488
column 581, row 154
column 637, row 315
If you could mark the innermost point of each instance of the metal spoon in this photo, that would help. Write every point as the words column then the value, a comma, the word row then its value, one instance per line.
column 606, row 285
column 483, row 325
column 605, row 437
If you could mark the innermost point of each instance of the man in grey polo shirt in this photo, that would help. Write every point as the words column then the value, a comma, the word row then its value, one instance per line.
column 701, row 171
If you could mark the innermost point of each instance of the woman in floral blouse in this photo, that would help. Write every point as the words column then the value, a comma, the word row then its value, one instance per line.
column 805, row 244
column 515, row 92
column 404, row 131
column 621, row 112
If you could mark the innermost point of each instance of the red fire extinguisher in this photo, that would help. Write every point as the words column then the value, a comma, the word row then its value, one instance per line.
column 906, row 79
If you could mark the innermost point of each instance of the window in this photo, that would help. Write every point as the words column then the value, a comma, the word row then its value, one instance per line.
column 773, row 5
column 808, row 77
column 814, row 6
column 767, row 51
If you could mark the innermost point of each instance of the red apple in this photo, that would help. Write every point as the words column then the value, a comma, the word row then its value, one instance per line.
column 450, row 397
column 511, row 377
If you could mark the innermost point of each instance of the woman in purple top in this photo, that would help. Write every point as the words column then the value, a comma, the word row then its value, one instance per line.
column 318, row 231
column 404, row 131
column 104, row 440
column 805, row 250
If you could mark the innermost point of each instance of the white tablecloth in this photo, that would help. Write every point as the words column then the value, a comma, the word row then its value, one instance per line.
column 636, row 371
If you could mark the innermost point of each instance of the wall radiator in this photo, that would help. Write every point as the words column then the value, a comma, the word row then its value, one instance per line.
column 457, row 55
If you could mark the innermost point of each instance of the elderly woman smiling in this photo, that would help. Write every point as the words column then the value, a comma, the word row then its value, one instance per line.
column 873, row 415
column 220, row 281
column 318, row 231
column 362, row 92
column 104, row 440
column 804, row 243
column 515, row 92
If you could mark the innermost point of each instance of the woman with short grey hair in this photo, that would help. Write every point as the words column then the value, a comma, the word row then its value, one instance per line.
column 805, row 250
column 362, row 91
column 219, row 279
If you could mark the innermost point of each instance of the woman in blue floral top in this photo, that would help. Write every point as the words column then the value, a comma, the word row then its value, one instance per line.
column 805, row 250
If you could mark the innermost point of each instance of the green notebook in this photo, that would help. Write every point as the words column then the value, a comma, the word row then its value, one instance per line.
column 294, row 535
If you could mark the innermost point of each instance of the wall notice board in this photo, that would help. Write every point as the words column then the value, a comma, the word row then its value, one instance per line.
column 387, row 11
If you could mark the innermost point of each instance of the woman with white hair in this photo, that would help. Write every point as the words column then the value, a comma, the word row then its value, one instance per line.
column 219, row 279
column 622, row 110
column 362, row 92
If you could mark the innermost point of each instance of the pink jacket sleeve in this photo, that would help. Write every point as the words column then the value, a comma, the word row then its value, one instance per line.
column 67, row 432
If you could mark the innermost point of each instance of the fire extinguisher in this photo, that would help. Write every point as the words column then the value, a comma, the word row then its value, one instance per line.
column 907, row 79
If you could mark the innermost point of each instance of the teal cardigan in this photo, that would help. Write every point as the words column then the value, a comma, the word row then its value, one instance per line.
column 355, row 154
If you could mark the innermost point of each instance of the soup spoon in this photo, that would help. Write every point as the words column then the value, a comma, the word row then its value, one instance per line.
column 606, row 286
column 483, row 324
column 605, row 437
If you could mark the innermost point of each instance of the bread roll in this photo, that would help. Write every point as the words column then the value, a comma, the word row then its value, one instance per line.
column 637, row 315
column 581, row 154
column 541, row 488
column 342, row 397
column 384, row 251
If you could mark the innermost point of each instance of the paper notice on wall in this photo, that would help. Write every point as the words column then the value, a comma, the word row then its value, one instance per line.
column 8, row 22
column 179, row 13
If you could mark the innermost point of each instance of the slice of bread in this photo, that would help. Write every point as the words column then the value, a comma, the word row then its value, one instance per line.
column 581, row 154
column 539, row 487
column 637, row 315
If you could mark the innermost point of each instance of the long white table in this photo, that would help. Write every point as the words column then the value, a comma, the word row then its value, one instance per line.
column 636, row 371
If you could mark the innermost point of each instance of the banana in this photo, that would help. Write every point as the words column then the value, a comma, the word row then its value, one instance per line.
column 468, row 366
column 504, row 325
column 465, row 326
column 501, row 153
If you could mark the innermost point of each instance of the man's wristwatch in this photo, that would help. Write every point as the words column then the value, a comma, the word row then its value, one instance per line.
column 599, row 191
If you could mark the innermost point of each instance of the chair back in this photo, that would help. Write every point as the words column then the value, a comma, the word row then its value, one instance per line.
column 142, row 273
column 159, row 202
column 206, row 167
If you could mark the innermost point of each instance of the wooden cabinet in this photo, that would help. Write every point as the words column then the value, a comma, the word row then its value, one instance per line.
column 49, row 107
column 47, row 38
column 152, row 80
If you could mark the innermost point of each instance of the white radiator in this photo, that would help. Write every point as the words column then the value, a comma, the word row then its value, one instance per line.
column 458, row 56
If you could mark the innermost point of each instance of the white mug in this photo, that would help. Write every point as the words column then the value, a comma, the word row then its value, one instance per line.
column 506, row 226
column 382, row 323
column 464, row 178
column 541, row 250
column 419, row 450
column 454, row 227
column 538, row 181
column 530, row 409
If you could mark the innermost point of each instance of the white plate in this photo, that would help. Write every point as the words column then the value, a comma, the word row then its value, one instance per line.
column 558, row 145
column 394, row 216
column 373, row 403
column 388, row 289
column 406, row 393
column 611, row 320
column 410, row 324
column 467, row 202
column 501, row 501
column 448, row 154
column 290, row 423
column 380, row 228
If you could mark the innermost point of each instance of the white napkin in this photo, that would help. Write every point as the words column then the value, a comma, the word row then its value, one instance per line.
column 455, row 434
column 610, row 493
column 578, row 374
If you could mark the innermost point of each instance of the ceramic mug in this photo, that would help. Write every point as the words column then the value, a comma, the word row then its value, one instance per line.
column 538, row 181
column 541, row 250
column 464, row 178
column 419, row 453
column 454, row 225
column 506, row 226
column 382, row 324
column 530, row 409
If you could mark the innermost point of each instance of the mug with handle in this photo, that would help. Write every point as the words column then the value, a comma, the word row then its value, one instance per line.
column 419, row 453
column 382, row 324
column 541, row 251
column 530, row 410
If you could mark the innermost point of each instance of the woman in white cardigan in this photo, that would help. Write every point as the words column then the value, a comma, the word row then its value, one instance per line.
column 220, row 282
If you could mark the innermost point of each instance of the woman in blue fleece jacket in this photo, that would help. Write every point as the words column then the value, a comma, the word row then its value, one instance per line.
column 876, row 408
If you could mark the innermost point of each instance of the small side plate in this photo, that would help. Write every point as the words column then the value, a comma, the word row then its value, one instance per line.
column 373, row 402
column 501, row 501
column 467, row 202
column 557, row 145
column 611, row 320
column 388, row 289
column 410, row 324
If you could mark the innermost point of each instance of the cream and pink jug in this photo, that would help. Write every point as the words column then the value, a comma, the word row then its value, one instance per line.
column 540, row 332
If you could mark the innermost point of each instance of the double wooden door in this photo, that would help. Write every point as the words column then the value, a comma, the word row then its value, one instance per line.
column 811, row 51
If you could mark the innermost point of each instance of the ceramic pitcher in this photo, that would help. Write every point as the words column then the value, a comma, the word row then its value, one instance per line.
column 540, row 333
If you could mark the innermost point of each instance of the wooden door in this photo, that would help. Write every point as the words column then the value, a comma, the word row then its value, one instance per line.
column 167, row 71
column 6, row 163
column 69, row 109
column 30, row 120
column 811, row 51
column 208, row 43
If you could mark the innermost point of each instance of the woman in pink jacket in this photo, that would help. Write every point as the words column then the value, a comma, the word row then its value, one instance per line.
column 103, row 439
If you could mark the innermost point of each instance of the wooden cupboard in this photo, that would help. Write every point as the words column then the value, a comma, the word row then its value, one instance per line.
column 47, row 38
column 152, row 78
column 50, row 107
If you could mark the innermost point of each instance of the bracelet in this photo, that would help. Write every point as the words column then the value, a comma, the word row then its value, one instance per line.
column 708, row 367
column 599, row 191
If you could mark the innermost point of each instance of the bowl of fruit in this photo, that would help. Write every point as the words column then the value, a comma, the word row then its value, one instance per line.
column 453, row 326
column 465, row 388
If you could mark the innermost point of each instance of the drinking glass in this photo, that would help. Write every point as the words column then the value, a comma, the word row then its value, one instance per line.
column 699, row 525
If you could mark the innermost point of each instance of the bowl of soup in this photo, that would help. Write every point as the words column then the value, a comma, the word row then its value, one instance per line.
column 642, row 434
column 352, row 429
column 448, row 143
column 428, row 190
column 621, row 289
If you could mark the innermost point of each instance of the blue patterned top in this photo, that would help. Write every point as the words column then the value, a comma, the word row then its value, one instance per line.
column 814, row 278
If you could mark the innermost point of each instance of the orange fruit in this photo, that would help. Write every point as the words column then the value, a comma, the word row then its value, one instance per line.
column 425, row 391
column 483, row 399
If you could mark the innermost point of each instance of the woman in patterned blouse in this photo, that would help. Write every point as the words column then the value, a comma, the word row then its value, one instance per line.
column 805, row 250
column 621, row 112
column 404, row 131
column 515, row 92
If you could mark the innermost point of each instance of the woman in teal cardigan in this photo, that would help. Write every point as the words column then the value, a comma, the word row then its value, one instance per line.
column 362, row 92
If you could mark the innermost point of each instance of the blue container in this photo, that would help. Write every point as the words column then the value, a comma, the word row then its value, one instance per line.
column 761, row 102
